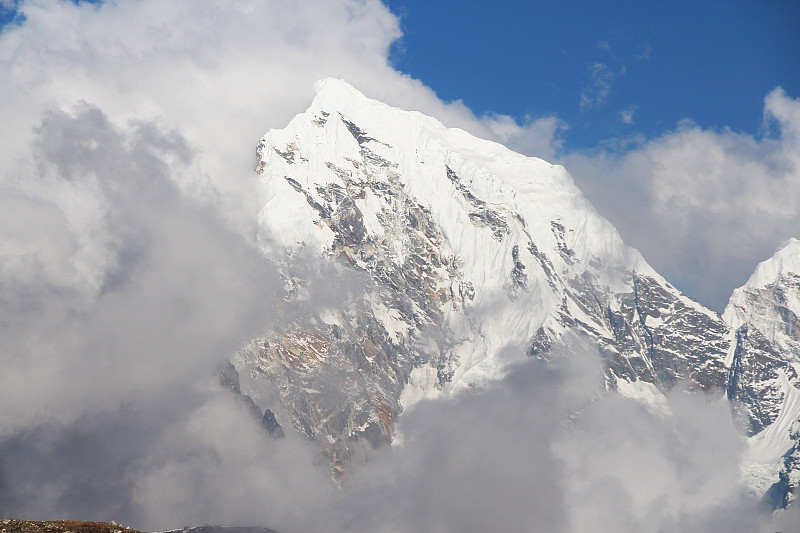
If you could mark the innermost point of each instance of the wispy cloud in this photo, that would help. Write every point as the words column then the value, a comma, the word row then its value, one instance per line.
column 604, row 45
column 598, row 88
column 601, row 75
column 644, row 52
column 626, row 115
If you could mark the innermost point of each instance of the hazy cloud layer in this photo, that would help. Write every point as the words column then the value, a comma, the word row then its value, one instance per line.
column 114, row 320
column 543, row 450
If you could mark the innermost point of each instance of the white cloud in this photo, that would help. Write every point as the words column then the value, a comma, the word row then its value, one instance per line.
column 128, row 261
column 220, row 72
column 626, row 115
column 596, row 93
column 543, row 450
column 536, row 136
column 703, row 206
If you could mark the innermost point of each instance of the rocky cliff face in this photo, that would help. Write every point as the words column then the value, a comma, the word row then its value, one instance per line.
column 764, row 365
column 463, row 257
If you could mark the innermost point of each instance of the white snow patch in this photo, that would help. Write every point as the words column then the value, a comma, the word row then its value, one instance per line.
column 391, row 320
column 786, row 260
column 771, row 443
column 370, row 206
column 645, row 393
column 653, row 322
column 422, row 384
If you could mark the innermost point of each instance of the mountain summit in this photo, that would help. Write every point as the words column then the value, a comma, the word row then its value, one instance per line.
column 467, row 258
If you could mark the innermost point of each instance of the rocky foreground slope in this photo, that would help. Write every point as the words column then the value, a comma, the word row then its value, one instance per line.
column 10, row 525
column 448, row 258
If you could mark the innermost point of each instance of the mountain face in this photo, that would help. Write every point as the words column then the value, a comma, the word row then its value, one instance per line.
column 451, row 258
column 764, row 362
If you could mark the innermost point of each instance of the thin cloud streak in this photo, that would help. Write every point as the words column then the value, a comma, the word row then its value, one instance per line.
column 596, row 93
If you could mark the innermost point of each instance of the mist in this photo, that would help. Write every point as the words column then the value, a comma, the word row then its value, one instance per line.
column 546, row 450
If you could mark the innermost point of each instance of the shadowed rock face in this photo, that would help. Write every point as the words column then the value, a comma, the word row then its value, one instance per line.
column 754, row 387
column 786, row 490
column 764, row 382
column 767, row 347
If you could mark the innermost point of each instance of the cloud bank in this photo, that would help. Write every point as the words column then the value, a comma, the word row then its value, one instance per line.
column 128, row 261
column 544, row 450
column 116, row 311
column 129, row 268
column 703, row 206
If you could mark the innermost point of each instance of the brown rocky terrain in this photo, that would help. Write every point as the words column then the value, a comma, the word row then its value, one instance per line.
column 8, row 525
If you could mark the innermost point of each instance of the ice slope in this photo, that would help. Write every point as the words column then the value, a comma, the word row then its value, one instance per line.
column 769, row 446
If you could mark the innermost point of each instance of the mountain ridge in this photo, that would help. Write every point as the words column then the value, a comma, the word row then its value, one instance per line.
column 470, row 258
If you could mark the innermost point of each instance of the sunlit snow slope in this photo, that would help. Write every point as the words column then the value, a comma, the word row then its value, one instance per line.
column 466, row 258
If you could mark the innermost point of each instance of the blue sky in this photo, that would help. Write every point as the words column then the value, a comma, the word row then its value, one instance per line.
column 638, row 67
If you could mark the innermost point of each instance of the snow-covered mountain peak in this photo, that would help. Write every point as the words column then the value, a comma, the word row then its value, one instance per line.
column 337, row 95
column 776, row 279
column 343, row 127
column 472, row 257
column 764, row 361
column 337, row 88
column 785, row 261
